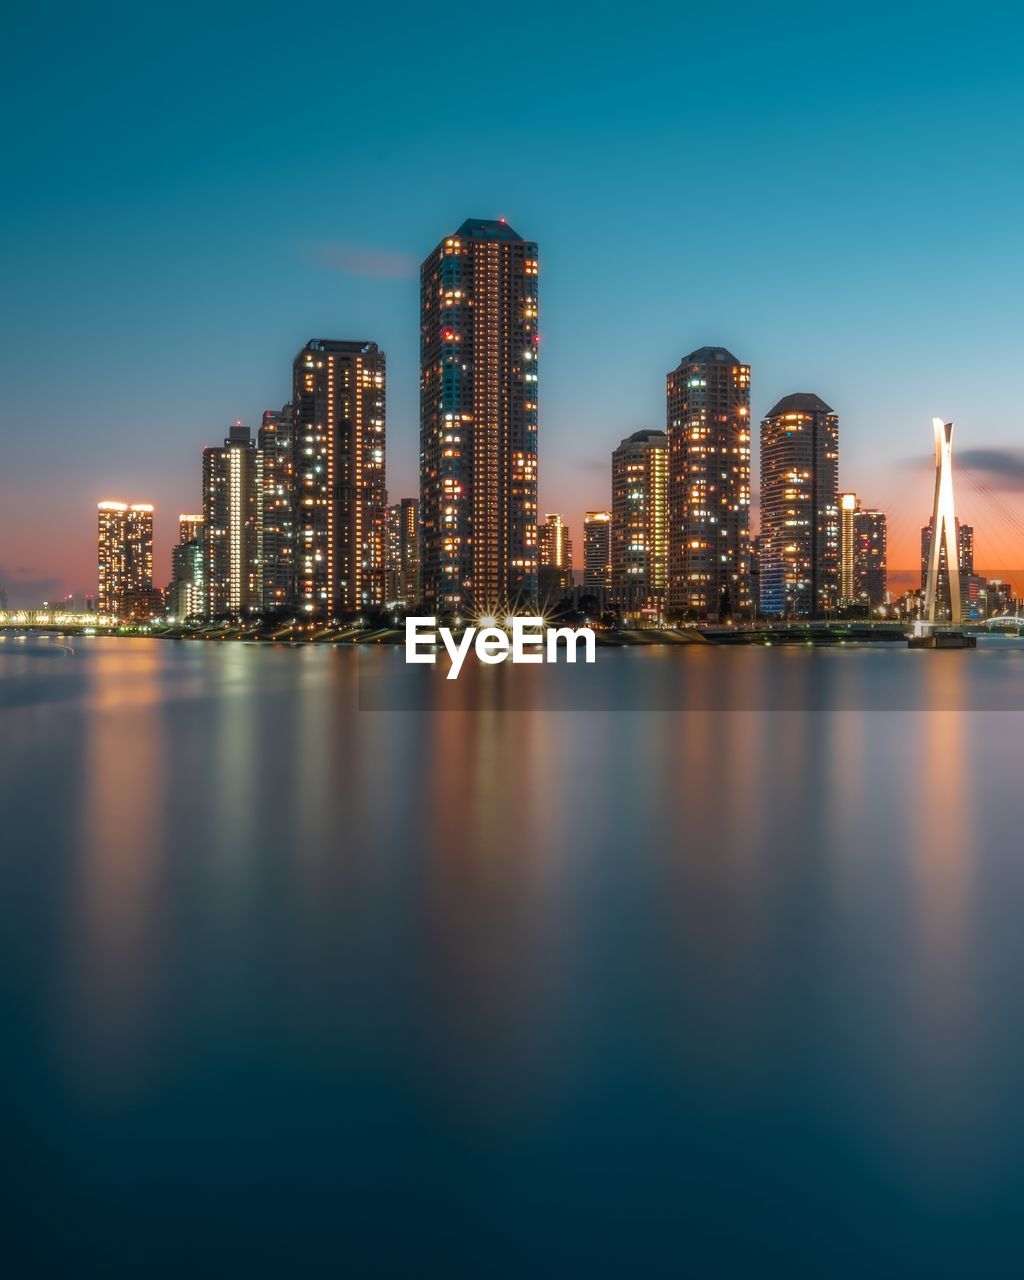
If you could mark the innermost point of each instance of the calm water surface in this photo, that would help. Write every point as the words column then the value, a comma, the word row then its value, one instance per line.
column 290, row 985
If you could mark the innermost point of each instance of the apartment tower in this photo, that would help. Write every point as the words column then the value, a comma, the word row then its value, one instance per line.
column 709, row 485
column 340, row 489
column 478, row 419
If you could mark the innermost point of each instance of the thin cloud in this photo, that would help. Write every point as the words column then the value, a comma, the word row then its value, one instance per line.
column 1002, row 468
column 361, row 260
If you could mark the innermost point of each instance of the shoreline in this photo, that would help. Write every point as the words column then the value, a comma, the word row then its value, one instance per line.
column 809, row 635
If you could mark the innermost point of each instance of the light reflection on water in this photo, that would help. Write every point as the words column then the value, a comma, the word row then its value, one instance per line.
column 740, row 981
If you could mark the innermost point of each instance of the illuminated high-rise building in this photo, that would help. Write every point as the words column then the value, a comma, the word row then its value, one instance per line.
column 554, row 568
column 597, row 550
column 849, row 505
column 276, row 444
column 186, row 594
column 478, row 418
column 709, row 485
column 640, row 529
column 870, row 559
column 125, row 555
column 190, row 528
column 339, row 391
column 232, row 524
column 799, row 548
column 402, row 553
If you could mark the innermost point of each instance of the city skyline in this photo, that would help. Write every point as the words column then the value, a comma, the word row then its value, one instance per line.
column 1000, row 469
column 708, row 412
column 134, row 233
column 902, row 574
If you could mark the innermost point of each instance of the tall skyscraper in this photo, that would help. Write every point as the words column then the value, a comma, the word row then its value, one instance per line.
column 125, row 555
column 640, row 525
column 870, row 559
column 554, row 571
column 276, row 443
column 709, row 484
column 478, row 418
column 339, row 391
column 233, row 524
column 849, row 505
column 402, row 553
column 799, row 549
column 597, row 550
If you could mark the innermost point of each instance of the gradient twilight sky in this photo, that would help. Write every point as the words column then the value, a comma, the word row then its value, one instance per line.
column 834, row 192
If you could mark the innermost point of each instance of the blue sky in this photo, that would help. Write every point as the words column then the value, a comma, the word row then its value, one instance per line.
column 834, row 192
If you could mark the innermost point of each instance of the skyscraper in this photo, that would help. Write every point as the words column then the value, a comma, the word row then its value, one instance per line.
column 402, row 553
column 639, row 529
column 870, row 559
column 186, row 595
column 339, row 397
column 276, row 443
column 799, row 549
column 478, row 418
column 597, row 550
column 125, row 555
column 233, row 522
column 709, row 484
column 849, row 505
column 554, row 572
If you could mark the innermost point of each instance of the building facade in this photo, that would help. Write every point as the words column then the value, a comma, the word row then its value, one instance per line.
column 799, row 547
column 709, row 485
column 870, row 559
column 233, row 525
column 402, row 553
column 339, row 393
column 190, row 528
column 849, row 505
column 640, row 523
column 125, row 556
column 186, row 595
column 276, row 444
column 597, row 550
column 478, row 419
column 186, row 592
column 554, row 571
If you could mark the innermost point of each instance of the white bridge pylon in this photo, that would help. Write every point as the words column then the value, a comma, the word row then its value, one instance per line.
column 943, row 528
